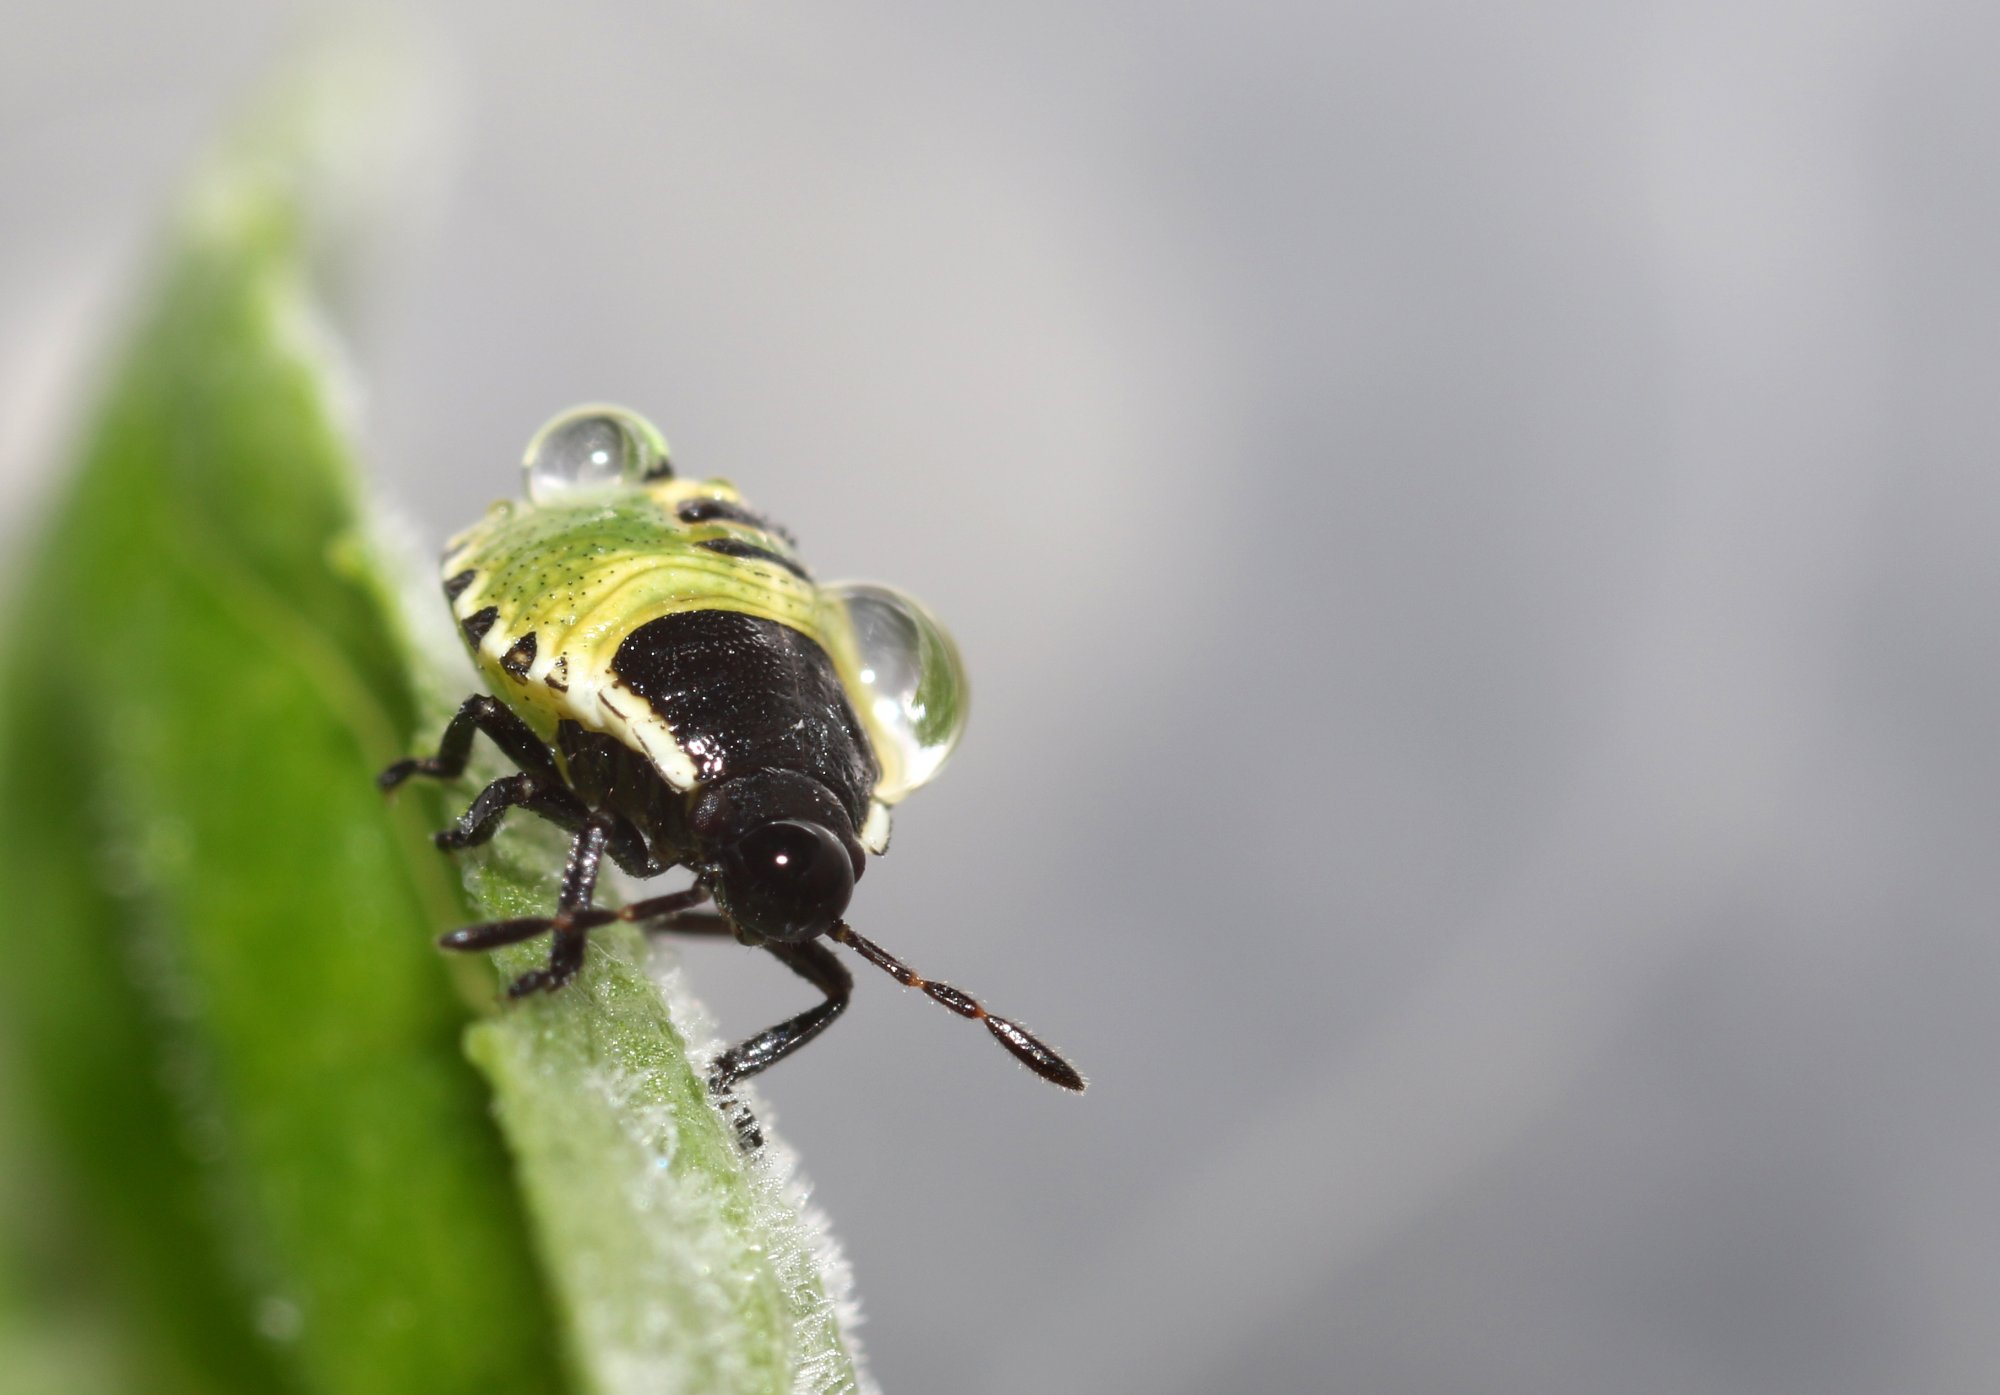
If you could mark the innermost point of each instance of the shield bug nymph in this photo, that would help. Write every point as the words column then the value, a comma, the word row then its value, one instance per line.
column 677, row 691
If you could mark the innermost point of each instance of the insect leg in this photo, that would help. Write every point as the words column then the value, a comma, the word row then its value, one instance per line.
column 815, row 963
column 503, row 727
column 667, row 909
column 558, row 805
column 693, row 923
column 492, row 934
column 482, row 820
column 574, row 916
column 1036, row 1056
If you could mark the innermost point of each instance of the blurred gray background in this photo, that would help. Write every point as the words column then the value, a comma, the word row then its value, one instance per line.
column 1475, row 532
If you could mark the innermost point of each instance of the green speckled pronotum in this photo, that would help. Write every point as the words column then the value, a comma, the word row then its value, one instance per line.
column 677, row 691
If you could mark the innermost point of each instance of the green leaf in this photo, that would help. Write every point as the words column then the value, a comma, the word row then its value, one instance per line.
column 680, row 1268
column 247, row 1112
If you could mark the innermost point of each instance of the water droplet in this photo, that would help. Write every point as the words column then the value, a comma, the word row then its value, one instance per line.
column 912, row 689
column 592, row 448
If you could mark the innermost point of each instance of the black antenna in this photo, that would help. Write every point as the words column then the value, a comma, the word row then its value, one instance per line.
column 1033, row 1054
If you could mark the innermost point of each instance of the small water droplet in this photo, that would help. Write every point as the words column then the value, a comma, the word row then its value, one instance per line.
column 593, row 448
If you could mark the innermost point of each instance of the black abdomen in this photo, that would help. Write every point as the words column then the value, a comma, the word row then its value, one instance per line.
column 743, row 693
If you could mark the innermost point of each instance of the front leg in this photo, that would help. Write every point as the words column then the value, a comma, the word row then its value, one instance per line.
column 813, row 962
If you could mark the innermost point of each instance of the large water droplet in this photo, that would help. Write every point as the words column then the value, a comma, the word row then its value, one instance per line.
column 912, row 689
column 589, row 448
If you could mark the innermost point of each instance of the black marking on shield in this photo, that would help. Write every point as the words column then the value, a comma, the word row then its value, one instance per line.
column 521, row 657
column 558, row 675
column 729, row 511
column 743, row 693
column 455, row 588
column 478, row 623
column 750, row 552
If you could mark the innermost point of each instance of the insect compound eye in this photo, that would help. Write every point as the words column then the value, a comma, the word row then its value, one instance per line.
column 786, row 880
column 591, row 448
column 913, row 692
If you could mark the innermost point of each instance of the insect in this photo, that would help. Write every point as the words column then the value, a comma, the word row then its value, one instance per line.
column 675, row 690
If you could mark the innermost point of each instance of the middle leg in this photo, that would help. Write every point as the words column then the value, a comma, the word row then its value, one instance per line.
column 574, row 914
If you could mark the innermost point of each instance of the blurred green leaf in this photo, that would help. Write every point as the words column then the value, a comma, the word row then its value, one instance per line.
column 227, row 1004
column 258, row 1146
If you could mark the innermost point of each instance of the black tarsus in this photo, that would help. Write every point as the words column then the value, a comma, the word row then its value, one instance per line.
column 540, row 787
column 811, row 961
column 491, row 934
column 559, row 806
column 1036, row 1055
column 570, row 932
column 671, row 907
column 816, row 964
column 481, row 819
column 480, row 712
